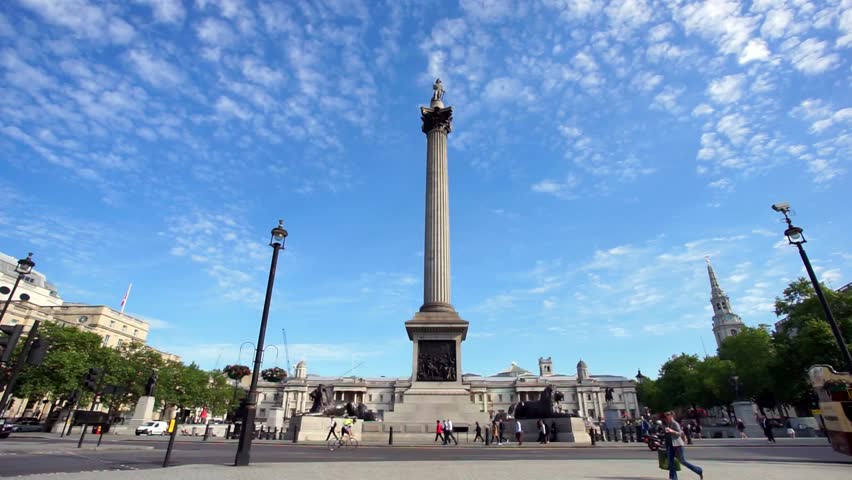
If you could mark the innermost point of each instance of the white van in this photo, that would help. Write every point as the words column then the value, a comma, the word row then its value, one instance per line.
column 153, row 428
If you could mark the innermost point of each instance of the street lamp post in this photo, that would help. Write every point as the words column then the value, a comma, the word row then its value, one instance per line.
column 244, row 448
column 25, row 266
column 795, row 237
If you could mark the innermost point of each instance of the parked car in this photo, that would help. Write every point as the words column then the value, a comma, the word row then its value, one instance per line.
column 153, row 428
column 5, row 428
column 27, row 426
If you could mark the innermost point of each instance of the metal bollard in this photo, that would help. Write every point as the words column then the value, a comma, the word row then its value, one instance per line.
column 390, row 436
column 592, row 434
column 624, row 434
column 296, row 434
column 206, row 432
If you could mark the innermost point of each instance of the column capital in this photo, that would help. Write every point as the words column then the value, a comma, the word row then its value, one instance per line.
column 437, row 118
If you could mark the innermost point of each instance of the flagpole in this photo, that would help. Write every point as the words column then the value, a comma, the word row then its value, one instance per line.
column 126, row 295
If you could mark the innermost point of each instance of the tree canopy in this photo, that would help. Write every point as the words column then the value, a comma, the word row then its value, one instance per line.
column 771, row 367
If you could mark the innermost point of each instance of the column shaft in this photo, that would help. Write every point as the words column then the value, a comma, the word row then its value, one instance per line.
column 436, row 277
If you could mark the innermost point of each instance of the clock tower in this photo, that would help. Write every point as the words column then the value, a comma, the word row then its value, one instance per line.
column 726, row 323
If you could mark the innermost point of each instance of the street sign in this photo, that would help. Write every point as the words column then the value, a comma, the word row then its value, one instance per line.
column 172, row 425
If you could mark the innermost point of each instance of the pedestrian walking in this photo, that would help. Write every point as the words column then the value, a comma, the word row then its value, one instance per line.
column 741, row 428
column 331, row 430
column 542, row 432
column 449, row 432
column 687, row 430
column 439, row 432
column 675, row 448
column 444, row 429
column 495, row 435
column 519, row 432
column 553, row 431
column 478, row 436
column 767, row 429
column 790, row 431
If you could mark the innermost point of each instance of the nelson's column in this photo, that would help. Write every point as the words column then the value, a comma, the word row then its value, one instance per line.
column 436, row 331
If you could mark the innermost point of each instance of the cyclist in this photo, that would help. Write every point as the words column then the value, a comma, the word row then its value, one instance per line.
column 347, row 428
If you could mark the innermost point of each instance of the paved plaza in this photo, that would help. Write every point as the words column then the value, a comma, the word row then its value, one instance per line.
column 45, row 457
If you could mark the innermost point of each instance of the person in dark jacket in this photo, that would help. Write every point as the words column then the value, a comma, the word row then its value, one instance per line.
column 478, row 436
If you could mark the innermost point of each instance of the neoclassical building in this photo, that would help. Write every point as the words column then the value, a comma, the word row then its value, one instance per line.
column 584, row 392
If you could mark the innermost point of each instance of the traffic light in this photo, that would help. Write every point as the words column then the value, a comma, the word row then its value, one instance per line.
column 38, row 351
column 8, row 343
column 92, row 379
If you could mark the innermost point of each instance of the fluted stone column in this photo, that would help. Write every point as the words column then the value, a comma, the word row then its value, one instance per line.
column 437, row 124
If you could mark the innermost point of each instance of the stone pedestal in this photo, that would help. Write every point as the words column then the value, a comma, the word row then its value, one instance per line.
column 315, row 429
column 144, row 413
column 275, row 418
column 745, row 412
column 612, row 417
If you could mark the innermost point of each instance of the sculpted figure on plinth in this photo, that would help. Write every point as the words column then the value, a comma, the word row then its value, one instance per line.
column 544, row 407
column 438, row 88
column 325, row 405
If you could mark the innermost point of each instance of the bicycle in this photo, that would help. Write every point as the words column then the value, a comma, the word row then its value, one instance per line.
column 349, row 443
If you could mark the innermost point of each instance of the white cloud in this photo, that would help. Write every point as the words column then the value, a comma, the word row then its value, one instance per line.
column 618, row 331
column 724, row 184
column 756, row 50
column 776, row 22
column 734, row 126
column 488, row 10
column 561, row 189
column 702, row 109
column 668, row 99
column 215, row 32
column 728, row 89
column 227, row 106
column 82, row 17
column 153, row 70
column 120, row 31
column 166, row 11
column 720, row 21
column 810, row 57
column 646, row 81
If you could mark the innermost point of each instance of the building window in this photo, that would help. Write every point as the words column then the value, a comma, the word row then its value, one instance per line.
column 620, row 397
column 381, row 398
column 500, row 397
column 733, row 332
column 120, row 341
column 124, row 328
column 489, row 397
column 472, row 399
column 480, row 397
column 135, row 332
column 262, row 412
column 370, row 397
column 106, row 340
column 588, row 396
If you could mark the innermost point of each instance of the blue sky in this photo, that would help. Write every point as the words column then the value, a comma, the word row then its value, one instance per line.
column 599, row 152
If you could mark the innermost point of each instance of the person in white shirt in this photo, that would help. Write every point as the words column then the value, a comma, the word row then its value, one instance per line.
column 450, row 432
column 331, row 430
column 519, row 432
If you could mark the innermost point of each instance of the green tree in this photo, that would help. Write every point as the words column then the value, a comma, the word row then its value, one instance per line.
column 804, row 338
column 72, row 352
column 752, row 353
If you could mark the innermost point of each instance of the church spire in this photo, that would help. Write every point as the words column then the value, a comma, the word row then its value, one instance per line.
column 715, row 289
column 726, row 323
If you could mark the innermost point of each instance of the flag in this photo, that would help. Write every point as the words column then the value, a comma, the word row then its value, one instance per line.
column 126, row 294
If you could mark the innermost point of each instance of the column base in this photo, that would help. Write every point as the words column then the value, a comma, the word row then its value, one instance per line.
column 437, row 307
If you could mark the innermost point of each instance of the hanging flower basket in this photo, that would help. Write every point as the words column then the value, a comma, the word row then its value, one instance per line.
column 236, row 372
column 274, row 374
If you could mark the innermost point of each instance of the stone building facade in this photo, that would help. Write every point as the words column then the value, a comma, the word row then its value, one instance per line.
column 584, row 393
